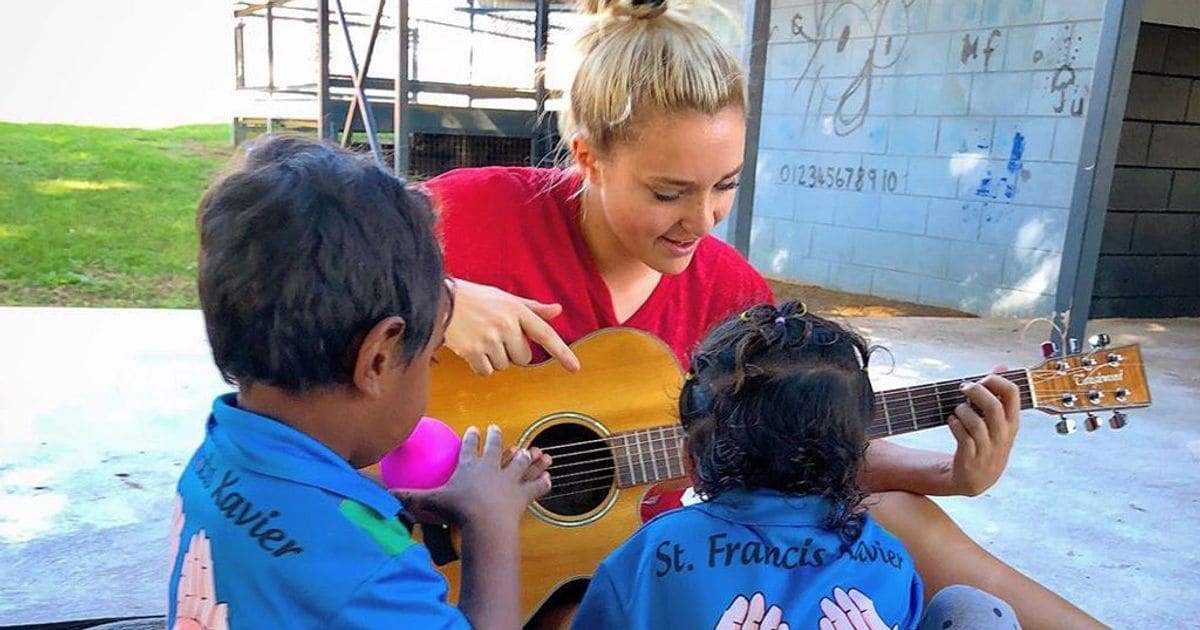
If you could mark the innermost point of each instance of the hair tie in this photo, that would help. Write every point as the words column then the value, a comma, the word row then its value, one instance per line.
column 745, row 316
column 689, row 376
column 803, row 310
column 780, row 320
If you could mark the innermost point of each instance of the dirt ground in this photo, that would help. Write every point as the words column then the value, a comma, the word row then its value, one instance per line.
column 830, row 302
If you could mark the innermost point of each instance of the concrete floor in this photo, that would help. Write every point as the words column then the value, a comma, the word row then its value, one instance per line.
column 100, row 408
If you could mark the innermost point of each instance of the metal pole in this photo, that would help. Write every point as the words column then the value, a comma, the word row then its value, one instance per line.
column 743, row 211
column 359, row 94
column 1093, row 180
column 539, row 145
column 324, row 104
column 348, row 126
column 401, row 125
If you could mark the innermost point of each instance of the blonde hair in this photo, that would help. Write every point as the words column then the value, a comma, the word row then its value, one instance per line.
column 639, row 58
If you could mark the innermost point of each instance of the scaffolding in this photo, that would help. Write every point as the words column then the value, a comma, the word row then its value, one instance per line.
column 460, row 92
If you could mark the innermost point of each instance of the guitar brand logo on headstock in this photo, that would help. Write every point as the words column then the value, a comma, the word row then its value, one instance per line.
column 1100, row 378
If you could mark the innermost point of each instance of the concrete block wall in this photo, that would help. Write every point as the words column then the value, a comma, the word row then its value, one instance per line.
column 924, row 150
column 1150, row 255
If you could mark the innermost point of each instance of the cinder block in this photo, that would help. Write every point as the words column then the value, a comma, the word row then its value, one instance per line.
column 833, row 243
column 975, row 264
column 1118, row 232
column 808, row 270
column 894, row 96
column 1193, row 113
column 977, row 51
column 1050, row 184
column 1075, row 10
column 1032, row 270
column 1156, row 98
column 1176, row 276
column 1036, row 134
column 1010, row 13
column 1052, row 45
column 896, row 285
column 947, row 293
column 953, row 219
column 881, row 249
column 965, row 135
column 924, row 54
column 1017, row 303
column 1139, row 188
column 1176, row 146
column 946, row 15
column 1134, row 144
column 931, row 177
column 1060, row 92
column 815, row 205
column 1125, row 276
column 901, row 213
column 854, row 209
column 1068, row 139
column 850, row 277
column 762, row 232
column 1000, row 94
column 1185, row 192
column 1151, row 48
column 912, row 135
column 928, row 257
column 946, row 95
column 774, row 200
column 1029, row 227
column 1163, row 233
column 1183, row 52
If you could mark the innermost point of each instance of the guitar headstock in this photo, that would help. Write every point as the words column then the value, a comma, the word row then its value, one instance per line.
column 1103, row 379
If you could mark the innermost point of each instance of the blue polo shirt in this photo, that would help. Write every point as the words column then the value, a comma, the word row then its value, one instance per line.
column 275, row 530
column 684, row 568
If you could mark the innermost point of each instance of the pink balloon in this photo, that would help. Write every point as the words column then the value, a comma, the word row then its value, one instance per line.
column 425, row 460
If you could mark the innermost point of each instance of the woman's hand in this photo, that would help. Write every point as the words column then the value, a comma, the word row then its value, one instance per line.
column 491, row 329
column 985, row 427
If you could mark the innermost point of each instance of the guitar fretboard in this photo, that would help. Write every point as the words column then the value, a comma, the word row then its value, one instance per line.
column 653, row 455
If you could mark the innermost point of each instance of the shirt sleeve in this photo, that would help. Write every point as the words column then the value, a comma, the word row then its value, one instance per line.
column 601, row 606
column 405, row 593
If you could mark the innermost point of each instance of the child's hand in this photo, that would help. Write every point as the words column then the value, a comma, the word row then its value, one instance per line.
column 492, row 487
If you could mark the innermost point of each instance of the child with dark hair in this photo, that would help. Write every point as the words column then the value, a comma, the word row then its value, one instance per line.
column 774, row 410
column 324, row 297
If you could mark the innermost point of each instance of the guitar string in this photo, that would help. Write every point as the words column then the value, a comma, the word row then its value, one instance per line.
column 668, row 453
column 904, row 416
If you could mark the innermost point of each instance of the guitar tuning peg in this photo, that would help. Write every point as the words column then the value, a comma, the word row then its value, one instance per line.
column 1072, row 346
column 1092, row 422
column 1048, row 349
column 1099, row 341
column 1066, row 426
column 1118, row 420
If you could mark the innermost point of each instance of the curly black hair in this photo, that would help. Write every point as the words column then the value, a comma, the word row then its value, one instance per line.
column 779, row 399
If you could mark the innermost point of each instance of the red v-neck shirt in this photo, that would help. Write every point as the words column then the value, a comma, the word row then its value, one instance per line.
column 517, row 229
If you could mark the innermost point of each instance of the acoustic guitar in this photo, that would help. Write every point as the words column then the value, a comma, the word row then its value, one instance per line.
column 612, row 429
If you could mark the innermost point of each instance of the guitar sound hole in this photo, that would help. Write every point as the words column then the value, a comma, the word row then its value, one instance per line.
column 581, row 476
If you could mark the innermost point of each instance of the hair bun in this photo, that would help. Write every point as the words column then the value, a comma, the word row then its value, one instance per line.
column 636, row 9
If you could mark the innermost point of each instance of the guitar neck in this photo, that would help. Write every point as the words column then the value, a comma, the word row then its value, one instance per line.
column 652, row 455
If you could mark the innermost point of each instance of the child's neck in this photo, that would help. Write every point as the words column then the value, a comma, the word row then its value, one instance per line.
column 309, row 413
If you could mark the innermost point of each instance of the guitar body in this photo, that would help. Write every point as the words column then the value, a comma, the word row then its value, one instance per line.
column 629, row 380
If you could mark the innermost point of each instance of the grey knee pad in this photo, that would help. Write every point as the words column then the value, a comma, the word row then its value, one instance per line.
column 961, row 607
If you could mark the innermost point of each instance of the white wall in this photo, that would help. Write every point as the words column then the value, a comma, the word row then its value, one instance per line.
column 146, row 63
column 924, row 150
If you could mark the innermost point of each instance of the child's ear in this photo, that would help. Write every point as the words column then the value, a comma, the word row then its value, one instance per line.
column 377, row 355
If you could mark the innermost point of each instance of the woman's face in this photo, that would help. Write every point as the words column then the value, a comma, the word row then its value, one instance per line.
column 664, row 189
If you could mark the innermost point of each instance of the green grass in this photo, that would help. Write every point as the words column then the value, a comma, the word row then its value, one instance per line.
column 103, row 217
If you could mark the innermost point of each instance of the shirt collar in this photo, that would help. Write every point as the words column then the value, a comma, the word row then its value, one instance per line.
column 767, row 507
column 272, row 448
